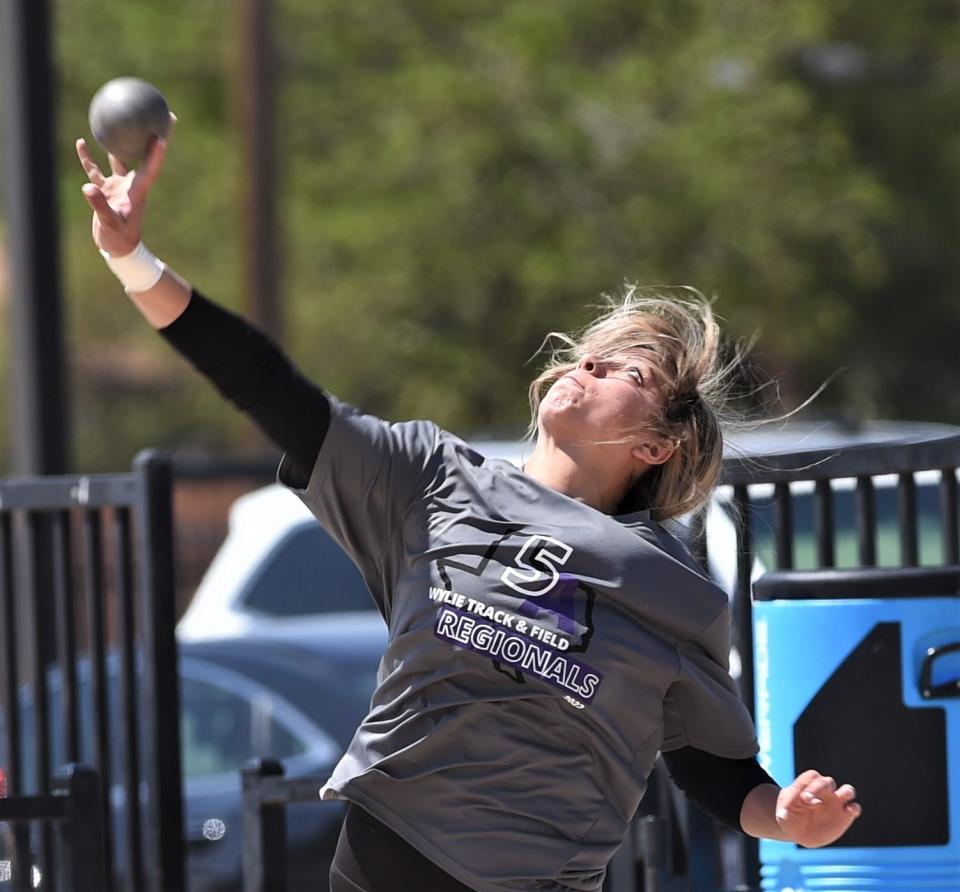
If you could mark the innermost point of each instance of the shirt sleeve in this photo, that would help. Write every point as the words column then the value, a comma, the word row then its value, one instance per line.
column 253, row 373
column 702, row 707
column 368, row 475
column 719, row 786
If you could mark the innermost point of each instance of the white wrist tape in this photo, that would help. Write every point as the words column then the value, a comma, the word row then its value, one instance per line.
column 137, row 271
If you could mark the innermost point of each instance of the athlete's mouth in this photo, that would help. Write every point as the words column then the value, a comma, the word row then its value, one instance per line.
column 574, row 379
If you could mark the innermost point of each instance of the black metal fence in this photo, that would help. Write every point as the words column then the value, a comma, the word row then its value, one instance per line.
column 89, row 665
column 76, row 808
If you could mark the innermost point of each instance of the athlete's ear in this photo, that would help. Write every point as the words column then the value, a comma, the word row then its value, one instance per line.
column 655, row 450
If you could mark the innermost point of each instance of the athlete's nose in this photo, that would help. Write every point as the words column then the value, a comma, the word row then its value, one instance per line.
column 592, row 364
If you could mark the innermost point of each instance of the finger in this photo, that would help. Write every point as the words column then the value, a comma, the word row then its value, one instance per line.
column 148, row 172
column 805, row 779
column 790, row 796
column 98, row 202
column 88, row 164
column 854, row 809
column 818, row 789
column 846, row 793
column 117, row 166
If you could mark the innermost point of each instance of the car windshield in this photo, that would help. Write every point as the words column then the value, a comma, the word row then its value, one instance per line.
column 306, row 573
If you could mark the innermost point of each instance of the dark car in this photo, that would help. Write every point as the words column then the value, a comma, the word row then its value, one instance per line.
column 298, row 699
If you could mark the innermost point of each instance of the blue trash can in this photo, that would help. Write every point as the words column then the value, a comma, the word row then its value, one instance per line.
column 858, row 676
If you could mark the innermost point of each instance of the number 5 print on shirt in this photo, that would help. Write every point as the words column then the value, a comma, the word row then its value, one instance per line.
column 538, row 560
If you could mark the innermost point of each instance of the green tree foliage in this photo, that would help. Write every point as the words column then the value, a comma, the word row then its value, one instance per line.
column 471, row 176
column 458, row 178
column 897, row 95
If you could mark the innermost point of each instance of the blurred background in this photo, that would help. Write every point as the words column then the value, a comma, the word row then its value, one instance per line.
column 410, row 195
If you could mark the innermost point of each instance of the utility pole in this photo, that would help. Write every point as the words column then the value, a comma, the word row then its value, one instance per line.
column 255, row 105
column 40, row 428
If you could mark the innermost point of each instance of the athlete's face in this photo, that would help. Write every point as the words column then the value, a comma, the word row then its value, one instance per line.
column 603, row 400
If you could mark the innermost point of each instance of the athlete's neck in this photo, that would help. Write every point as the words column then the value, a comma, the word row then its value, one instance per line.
column 588, row 473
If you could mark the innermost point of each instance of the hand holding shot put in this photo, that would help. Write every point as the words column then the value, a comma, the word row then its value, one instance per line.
column 119, row 202
column 120, row 199
column 537, row 754
column 130, row 119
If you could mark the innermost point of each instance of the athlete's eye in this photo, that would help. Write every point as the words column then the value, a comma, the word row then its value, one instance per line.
column 636, row 373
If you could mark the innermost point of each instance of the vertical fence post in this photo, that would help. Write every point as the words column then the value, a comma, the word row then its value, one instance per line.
column 9, row 702
column 907, row 520
column 36, row 594
column 128, row 687
column 742, row 618
column 161, row 694
column 93, row 573
column 81, row 829
column 653, row 844
column 783, row 525
column 866, row 521
column 949, row 528
column 66, row 635
column 823, row 522
column 264, row 831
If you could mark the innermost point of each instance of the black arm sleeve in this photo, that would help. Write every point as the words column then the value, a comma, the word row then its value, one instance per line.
column 257, row 377
column 719, row 786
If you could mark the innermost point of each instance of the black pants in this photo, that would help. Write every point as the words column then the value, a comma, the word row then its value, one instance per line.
column 370, row 857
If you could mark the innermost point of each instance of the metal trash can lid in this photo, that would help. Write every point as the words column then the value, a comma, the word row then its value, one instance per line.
column 858, row 582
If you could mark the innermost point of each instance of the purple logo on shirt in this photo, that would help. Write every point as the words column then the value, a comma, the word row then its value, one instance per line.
column 568, row 607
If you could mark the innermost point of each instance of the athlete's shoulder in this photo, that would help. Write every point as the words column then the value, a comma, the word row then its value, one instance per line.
column 481, row 454
column 672, row 538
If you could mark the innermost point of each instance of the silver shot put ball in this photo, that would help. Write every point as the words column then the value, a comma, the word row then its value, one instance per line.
column 125, row 115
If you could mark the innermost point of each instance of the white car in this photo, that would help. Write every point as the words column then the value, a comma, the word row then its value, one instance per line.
column 276, row 567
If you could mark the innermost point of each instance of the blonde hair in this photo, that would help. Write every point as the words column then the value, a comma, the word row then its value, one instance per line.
column 683, row 338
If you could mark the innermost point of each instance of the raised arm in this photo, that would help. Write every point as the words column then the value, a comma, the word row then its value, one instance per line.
column 241, row 362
